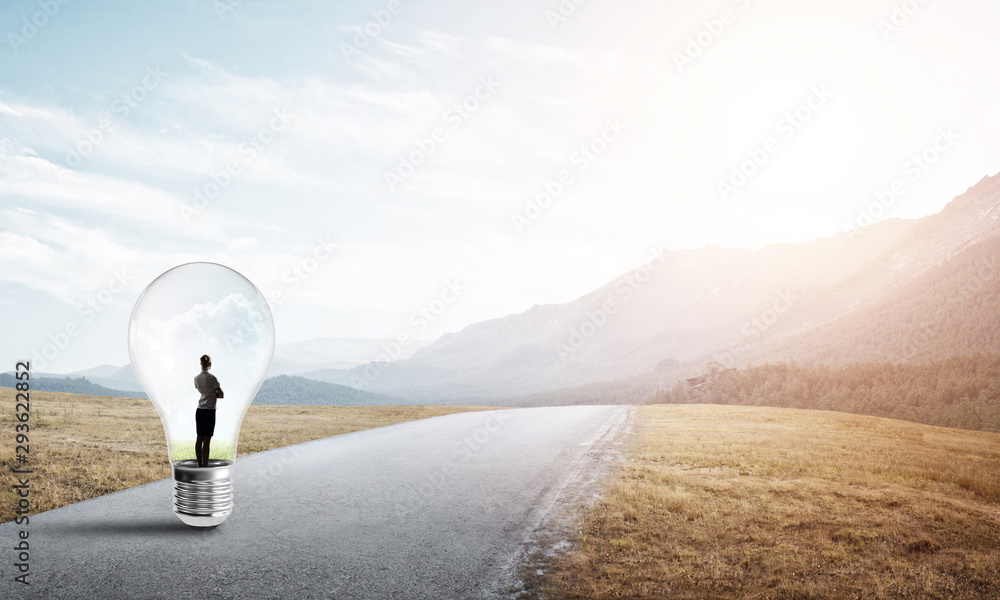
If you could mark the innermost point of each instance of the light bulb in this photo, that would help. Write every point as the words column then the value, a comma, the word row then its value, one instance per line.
column 189, row 311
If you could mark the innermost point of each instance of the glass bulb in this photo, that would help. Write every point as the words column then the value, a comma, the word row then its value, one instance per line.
column 189, row 311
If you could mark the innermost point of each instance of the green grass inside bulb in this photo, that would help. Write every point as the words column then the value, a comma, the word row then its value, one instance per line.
column 184, row 450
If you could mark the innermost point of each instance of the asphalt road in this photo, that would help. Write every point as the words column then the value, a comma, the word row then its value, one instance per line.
column 438, row 508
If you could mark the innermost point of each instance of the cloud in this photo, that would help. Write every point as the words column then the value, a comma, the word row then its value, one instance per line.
column 538, row 54
column 60, row 257
column 443, row 43
column 26, row 175
column 165, row 347
column 29, row 112
column 72, row 260
column 233, row 327
column 241, row 244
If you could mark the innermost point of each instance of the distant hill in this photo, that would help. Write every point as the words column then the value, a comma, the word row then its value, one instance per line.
column 290, row 358
column 823, row 300
column 288, row 389
column 69, row 385
column 119, row 378
column 283, row 389
column 961, row 392
column 951, row 310
column 109, row 376
column 294, row 358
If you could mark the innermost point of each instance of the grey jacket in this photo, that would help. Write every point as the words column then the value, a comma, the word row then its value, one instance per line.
column 208, row 385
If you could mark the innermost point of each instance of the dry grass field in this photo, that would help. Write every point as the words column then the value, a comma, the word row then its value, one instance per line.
column 721, row 502
column 88, row 446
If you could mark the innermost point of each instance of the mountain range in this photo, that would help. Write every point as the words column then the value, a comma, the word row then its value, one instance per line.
column 897, row 291
column 863, row 294
column 283, row 390
column 290, row 358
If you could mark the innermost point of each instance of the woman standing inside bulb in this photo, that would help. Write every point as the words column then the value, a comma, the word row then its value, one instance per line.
column 204, row 416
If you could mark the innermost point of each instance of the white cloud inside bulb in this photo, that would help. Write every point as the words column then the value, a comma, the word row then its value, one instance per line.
column 234, row 326
column 235, row 331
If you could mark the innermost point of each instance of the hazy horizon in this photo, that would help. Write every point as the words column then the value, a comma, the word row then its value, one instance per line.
column 387, row 168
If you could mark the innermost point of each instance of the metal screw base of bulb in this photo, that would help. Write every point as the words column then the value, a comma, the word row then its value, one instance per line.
column 203, row 496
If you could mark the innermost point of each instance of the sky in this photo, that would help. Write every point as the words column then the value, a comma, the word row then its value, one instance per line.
column 393, row 167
